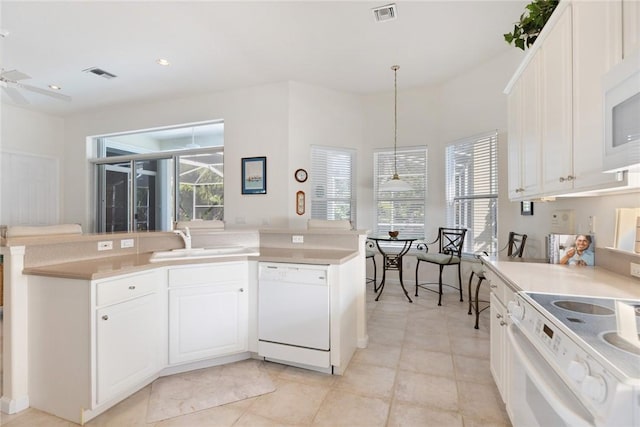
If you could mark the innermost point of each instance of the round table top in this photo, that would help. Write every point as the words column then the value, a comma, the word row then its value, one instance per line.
column 394, row 239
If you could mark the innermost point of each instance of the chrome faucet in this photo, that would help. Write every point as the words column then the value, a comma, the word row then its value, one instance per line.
column 186, row 237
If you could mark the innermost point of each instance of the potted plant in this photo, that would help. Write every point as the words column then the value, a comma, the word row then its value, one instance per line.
column 526, row 31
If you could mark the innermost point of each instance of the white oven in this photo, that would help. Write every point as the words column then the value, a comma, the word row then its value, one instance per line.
column 565, row 365
column 622, row 116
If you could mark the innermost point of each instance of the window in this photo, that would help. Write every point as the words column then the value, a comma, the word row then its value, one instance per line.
column 333, row 194
column 472, row 190
column 147, row 180
column 403, row 211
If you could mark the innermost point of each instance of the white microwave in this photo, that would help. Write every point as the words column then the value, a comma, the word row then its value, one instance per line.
column 622, row 116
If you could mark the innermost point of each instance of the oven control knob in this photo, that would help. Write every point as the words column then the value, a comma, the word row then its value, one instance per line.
column 578, row 370
column 595, row 388
column 516, row 310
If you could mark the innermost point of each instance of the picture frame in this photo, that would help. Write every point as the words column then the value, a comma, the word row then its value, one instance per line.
column 526, row 208
column 254, row 175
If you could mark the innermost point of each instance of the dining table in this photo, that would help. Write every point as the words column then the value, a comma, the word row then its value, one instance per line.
column 392, row 250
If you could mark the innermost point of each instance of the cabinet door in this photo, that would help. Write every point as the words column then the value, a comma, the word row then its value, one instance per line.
column 594, row 51
column 556, row 106
column 630, row 26
column 497, row 339
column 515, row 140
column 128, row 345
column 530, row 148
column 207, row 321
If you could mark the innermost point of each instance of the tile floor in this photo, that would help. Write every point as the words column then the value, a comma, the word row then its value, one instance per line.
column 425, row 366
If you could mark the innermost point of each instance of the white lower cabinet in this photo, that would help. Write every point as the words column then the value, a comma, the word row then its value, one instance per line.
column 128, row 345
column 208, row 311
column 93, row 343
column 501, row 294
column 497, row 343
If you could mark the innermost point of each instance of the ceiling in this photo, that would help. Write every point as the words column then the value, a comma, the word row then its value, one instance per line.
column 216, row 45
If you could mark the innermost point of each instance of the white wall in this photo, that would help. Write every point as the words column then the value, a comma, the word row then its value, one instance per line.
column 319, row 116
column 281, row 121
column 256, row 121
column 32, row 133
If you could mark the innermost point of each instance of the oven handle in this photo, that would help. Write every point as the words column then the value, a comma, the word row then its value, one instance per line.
column 554, row 399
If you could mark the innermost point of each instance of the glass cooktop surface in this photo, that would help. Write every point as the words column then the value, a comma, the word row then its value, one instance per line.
column 593, row 320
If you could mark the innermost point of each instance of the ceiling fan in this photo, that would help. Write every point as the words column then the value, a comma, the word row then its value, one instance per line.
column 10, row 82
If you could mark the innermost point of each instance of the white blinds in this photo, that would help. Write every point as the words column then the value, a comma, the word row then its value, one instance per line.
column 332, row 184
column 402, row 211
column 472, row 190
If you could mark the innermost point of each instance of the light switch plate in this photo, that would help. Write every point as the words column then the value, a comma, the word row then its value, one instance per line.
column 297, row 239
column 126, row 243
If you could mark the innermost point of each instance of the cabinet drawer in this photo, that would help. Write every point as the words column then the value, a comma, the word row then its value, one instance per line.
column 208, row 274
column 116, row 290
column 500, row 289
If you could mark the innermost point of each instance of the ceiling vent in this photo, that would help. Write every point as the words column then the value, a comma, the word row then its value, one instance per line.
column 385, row 13
column 100, row 72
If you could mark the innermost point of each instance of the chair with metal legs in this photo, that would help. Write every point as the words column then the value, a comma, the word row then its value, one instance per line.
column 370, row 253
column 449, row 242
column 515, row 249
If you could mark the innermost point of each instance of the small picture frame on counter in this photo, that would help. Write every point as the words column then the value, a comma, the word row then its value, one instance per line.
column 526, row 208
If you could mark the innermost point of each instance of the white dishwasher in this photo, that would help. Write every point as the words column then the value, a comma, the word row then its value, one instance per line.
column 293, row 314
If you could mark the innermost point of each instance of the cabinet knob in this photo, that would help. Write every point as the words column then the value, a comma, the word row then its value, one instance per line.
column 105, row 317
column 132, row 287
column 493, row 286
column 241, row 289
column 502, row 323
column 498, row 316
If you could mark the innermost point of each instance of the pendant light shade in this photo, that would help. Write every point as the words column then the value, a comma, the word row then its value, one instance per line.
column 395, row 183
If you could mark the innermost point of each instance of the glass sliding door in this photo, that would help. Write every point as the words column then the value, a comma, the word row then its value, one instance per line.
column 133, row 196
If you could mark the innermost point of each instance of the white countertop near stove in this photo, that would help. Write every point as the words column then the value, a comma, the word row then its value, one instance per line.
column 564, row 279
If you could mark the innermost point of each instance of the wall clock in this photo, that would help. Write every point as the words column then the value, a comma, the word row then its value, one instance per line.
column 301, row 175
column 300, row 202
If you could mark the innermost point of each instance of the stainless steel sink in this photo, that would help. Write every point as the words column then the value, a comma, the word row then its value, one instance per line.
column 198, row 253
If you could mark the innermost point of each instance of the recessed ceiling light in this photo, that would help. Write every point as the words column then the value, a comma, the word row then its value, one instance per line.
column 163, row 62
column 55, row 87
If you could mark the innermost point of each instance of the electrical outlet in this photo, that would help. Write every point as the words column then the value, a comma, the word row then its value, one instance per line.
column 105, row 245
column 297, row 239
column 635, row 269
column 126, row 243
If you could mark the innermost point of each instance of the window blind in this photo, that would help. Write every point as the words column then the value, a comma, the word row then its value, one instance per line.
column 472, row 190
column 403, row 211
column 333, row 193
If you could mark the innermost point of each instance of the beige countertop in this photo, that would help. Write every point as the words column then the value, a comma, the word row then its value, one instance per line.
column 101, row 268
column 565, row 279
column 306, row 256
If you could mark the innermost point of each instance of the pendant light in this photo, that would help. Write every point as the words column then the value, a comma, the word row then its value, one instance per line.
column 395, row 183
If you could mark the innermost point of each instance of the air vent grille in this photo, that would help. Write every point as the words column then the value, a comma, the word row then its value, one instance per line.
column 100, row 72
column 385, row 13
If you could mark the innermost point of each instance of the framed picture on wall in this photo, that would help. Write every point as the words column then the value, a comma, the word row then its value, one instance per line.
column 526, row 208
column 254, row 175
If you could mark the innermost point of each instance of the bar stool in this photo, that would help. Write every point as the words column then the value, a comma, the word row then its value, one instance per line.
column 515, row 249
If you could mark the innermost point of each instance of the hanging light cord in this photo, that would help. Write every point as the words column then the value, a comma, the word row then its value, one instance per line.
column 395, row 119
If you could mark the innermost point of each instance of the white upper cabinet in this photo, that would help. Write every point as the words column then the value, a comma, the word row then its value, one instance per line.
column 556, row 106
column 596, row 47
column 581, row 41
column 630, row 27
column 524, row 134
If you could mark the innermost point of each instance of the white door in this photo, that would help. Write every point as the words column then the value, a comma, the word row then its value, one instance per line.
column 127, row 346
column 207, row 321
